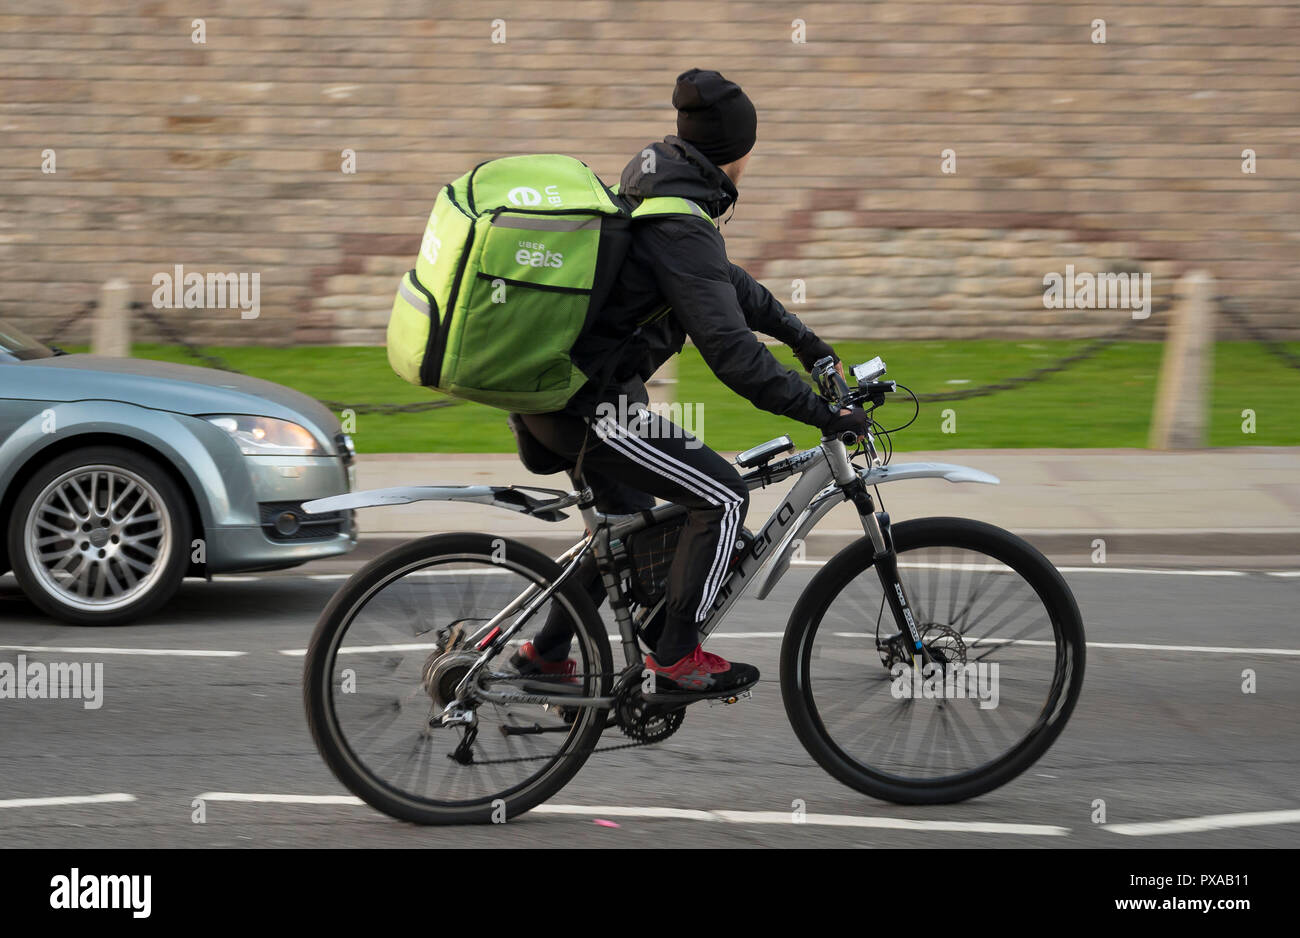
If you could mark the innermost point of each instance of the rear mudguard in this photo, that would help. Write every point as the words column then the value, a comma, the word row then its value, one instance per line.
column 509, row 497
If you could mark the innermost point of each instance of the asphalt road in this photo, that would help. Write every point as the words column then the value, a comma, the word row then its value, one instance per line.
column 1161, row 734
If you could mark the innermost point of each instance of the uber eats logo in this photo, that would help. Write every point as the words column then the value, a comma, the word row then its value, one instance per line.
column 528, row 197
column 431, row 244
column 535, row 254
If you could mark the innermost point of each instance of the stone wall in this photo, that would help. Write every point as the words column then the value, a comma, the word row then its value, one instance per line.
column 227, row 155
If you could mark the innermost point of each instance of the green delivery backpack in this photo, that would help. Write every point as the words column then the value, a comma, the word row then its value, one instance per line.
column 517, row 257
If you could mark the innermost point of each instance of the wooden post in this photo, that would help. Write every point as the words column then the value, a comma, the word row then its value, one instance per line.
column 1181, row 417
column 662, row 388
column 112, row 328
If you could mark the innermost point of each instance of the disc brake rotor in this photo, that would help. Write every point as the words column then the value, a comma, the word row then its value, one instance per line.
column 944, row 644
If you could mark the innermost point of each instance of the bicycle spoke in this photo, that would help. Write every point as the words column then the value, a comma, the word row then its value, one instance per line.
column 395, row 694
column 958, row 715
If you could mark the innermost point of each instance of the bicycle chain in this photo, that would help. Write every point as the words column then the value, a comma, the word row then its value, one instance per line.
column 576, row 752
column 568, row 755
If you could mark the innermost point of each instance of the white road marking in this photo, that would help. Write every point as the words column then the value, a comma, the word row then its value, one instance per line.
column 118, row 796
column 1210, row 822
column 786, row 818
column 746, row 635
column 367, row 649
column 155, row 652
column 271, row 577
column 1203, row 649
column 255, row 798
column 1099, row 568
column 906, row 564
column 689, row 814
column 1150, row 571
column 1122, row 646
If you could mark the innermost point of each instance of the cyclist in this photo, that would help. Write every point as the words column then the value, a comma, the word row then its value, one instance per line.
column 633, row 455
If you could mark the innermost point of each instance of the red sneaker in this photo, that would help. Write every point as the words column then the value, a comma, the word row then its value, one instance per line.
column 701, row 674
column 527, row 661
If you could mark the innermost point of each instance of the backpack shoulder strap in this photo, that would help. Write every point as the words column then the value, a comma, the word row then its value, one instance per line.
column 670, row 205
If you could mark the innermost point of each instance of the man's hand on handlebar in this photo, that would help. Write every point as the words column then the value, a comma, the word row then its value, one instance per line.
column 814, row 350
column 848, row 425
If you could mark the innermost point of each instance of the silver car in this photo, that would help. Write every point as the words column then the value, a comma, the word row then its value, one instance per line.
column 119, row 477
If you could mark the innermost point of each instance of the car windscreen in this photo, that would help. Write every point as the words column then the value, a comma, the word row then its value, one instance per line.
column 19, row 345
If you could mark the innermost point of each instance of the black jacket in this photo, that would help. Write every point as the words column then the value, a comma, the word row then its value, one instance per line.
column 680, row 261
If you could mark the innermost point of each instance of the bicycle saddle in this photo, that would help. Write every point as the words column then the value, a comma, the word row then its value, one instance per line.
column 535, row 457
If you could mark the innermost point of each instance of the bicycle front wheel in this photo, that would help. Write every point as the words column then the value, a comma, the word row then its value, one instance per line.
column 393, row 646
column 1005, row 664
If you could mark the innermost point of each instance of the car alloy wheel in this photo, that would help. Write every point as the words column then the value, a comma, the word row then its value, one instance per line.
column 98, row 537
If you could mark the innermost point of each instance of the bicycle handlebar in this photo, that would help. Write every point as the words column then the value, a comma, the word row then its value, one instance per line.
column 836, row 391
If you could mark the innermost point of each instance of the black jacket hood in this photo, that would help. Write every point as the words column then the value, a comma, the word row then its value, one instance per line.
column 679, row 170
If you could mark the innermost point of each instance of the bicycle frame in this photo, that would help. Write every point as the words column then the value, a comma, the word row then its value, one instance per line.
column 826, row 477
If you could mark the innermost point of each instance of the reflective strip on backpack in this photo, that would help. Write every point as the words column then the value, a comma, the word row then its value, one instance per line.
column 545, row 223
column 671, row 205
column 411, row 296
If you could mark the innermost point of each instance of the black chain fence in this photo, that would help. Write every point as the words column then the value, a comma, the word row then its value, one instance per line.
column 1226, row 306
column 172, row 335
column 1091, row 348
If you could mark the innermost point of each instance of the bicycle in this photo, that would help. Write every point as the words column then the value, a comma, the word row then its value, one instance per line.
column 910, row 707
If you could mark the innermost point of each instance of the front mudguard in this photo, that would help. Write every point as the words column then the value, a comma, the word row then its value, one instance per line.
column 831, row 496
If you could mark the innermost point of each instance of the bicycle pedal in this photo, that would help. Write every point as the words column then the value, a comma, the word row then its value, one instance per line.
column 731, row 699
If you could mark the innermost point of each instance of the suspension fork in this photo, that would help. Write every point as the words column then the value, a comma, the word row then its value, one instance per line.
column 885, row 559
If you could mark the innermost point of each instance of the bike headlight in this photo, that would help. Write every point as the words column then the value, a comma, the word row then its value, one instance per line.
column 267, row 436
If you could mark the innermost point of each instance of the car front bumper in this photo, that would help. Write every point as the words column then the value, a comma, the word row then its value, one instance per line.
column 242, row 549
column 282, row 535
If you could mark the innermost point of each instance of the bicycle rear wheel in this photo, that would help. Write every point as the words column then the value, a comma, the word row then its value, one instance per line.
column 389, row 651
column 1007, row 641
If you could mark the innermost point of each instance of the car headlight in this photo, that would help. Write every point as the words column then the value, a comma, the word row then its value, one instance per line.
column 267, row 436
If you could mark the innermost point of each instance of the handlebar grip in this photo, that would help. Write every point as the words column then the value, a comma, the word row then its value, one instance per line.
column 830, row 382
column 848, row 437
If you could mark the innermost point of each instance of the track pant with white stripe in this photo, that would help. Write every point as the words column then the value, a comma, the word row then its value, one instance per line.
column 647, row 453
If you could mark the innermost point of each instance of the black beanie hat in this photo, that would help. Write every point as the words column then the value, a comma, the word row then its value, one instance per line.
column 714, row 115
